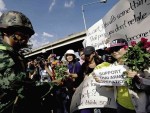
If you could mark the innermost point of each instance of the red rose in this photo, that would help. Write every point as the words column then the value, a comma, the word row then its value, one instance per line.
column 147, row 45
column 144, row 40
column 133, row 43
column 125, row 47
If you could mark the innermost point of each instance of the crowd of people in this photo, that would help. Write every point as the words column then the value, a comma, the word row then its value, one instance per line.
column 73, row 72
column 46, row 85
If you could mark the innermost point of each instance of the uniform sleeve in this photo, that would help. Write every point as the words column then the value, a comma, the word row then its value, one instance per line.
column 17, row 81
column 7, row 74
column 9, row 78
column 5, row 60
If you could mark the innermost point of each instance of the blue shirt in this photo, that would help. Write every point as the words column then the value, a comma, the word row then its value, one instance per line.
column 74, row 67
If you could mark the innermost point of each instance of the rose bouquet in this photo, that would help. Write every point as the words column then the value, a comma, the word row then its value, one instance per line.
column 137, row 57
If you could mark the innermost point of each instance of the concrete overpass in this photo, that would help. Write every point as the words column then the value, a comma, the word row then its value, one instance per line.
column 73, row 41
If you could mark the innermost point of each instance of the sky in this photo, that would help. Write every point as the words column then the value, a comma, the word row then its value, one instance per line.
column 53, row 20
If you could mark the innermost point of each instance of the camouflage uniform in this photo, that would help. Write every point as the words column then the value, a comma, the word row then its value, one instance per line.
column 18, row 93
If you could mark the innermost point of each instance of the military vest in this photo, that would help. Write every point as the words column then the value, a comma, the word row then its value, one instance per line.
column 7, row 95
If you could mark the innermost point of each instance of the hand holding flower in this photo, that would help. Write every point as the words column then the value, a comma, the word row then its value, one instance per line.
column 131, row 73
column 138, row 57
column 73, row 75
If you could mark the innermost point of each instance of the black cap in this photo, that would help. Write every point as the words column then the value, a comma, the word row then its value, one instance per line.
column 88, row 50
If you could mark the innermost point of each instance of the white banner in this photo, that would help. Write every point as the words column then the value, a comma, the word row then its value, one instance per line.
column 128, row 19
column 91, row 95
column 111, row 76
column 96, row 36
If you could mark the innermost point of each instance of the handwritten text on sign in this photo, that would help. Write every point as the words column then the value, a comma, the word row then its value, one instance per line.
column 91, row 95
column 111, row 76
column 122, row 21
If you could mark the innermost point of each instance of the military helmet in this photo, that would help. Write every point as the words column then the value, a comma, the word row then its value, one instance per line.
column 13, row 20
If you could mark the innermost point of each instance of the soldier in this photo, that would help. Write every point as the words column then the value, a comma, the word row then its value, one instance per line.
column 18, row 93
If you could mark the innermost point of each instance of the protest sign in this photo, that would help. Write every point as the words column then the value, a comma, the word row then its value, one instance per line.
column 111, row 76
column 91, row 95
column 95, row 35
column 127, row 19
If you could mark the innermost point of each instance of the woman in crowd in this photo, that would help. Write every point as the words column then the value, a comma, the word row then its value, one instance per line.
column 82, row 56
column 92, row 59
column 73, row 68
column 129, row 99
column 62, row 93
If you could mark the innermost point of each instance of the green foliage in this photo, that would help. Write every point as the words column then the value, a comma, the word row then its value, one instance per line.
column 60, row 71
column 138, row 56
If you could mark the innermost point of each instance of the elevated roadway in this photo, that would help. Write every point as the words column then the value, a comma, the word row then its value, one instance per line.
column 73, row 41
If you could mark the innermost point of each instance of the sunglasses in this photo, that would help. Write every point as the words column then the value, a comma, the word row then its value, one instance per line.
column 115, row 49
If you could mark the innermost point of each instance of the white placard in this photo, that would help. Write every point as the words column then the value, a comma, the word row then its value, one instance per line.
column 91, row 95
column 96, row 35
column 128, row 19
column 111, row 76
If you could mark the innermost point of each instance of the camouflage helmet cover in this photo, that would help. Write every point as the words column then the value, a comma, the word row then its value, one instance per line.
column 16, row 20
